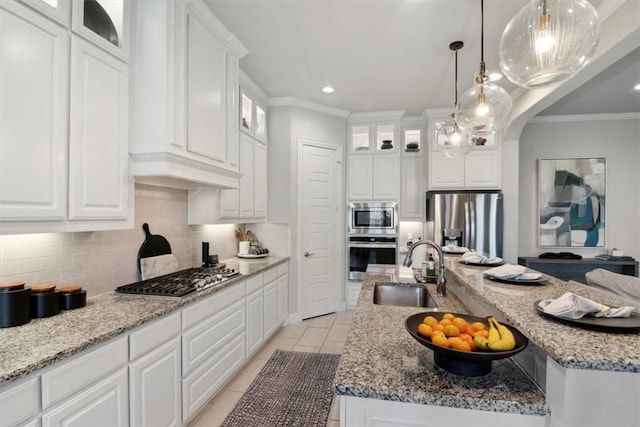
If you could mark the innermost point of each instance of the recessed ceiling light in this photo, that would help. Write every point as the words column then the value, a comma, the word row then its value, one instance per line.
column 637, row 87
column 328, row 89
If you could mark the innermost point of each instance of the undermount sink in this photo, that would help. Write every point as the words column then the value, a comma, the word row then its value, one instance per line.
column 407, row 295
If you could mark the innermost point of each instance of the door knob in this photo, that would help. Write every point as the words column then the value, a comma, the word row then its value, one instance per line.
column 308, row 254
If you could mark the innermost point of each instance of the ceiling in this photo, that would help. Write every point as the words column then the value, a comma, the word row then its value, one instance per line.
column 379, row 55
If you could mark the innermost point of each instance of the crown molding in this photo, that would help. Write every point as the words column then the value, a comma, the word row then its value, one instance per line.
column 585, row 118
column 297, row 102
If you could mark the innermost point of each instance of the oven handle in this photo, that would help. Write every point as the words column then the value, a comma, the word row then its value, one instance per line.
column 372, row 245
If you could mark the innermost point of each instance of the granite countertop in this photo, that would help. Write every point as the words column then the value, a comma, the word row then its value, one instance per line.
column 382, row 361
column 569, row 345
column 41, row 342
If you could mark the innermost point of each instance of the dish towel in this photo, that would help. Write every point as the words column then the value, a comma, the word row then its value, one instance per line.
column 510, row 271
column 477, row 258
column 453, row 249
column 155, row 266
column 572, row 306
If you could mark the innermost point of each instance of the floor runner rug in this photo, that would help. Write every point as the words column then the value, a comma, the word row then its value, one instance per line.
column 293, row 389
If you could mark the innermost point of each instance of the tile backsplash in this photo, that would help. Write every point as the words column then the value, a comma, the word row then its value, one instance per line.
column 102, row 260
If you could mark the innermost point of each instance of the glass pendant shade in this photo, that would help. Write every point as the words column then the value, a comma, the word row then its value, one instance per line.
column 548, row 42
column 485, row 108
column 453, row 138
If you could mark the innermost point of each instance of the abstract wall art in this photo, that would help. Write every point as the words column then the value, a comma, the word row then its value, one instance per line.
column 571, row 202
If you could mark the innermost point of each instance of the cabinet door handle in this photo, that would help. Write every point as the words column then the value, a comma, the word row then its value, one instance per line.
column 308, row 254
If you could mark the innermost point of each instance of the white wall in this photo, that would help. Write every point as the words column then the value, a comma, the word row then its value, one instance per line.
column 102, row 260
column 288, row 123
column 616, row 140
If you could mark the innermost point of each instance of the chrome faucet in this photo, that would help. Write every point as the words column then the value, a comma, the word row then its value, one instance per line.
column 441, row 283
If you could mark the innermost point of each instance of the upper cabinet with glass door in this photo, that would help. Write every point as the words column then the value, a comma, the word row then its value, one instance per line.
column 253, row 109
column 58, row 10
column 374, row 132
column 105, row 23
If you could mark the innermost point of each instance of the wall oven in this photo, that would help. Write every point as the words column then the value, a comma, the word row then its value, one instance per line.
column 378, row 218
column 365, row 250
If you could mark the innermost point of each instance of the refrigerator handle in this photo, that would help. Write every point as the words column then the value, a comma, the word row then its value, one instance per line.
column 472, row 224
column 467, row 226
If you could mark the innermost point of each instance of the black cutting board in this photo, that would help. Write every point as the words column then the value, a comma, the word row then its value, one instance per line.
column 153, row 245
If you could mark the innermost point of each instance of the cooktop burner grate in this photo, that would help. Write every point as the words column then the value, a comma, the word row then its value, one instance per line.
column 180, row 283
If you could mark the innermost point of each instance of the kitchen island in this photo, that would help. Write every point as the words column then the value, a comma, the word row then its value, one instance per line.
column 591, row 378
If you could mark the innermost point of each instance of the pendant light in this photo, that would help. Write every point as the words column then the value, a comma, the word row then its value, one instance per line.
column 548, row 42
column 486, row 106
column 452, row 137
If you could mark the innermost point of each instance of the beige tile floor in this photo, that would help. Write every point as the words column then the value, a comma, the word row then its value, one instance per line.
column 324, row 334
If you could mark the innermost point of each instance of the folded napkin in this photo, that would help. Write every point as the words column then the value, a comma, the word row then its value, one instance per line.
column 572, row 306
column 155, row 266
column 510, row 271
column 477, row 258
column 455, row 249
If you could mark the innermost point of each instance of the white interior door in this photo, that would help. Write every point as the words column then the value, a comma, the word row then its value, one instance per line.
column 319, row 195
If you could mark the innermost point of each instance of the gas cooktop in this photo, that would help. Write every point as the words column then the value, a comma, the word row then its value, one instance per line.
column 180, row 283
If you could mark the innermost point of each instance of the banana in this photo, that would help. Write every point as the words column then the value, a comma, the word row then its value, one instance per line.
column 506, row 339
column 494, row 335
column 482, row 343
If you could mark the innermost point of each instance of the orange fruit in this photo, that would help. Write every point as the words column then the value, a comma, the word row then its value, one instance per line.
column 440, row 340
column 430, row 320
column 445, row 322
column 448, row 316
column 478, row 326
column 482, row 333
column 424, row 330
column 461, row 324
column 451, row 331
column 439, row 327
column 460, row 344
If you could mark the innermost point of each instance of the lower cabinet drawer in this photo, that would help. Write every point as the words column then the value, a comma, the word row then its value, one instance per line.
column 204, row 382
column 104, row 404
column 71, row 377
column 201, row 342
column 19, row 403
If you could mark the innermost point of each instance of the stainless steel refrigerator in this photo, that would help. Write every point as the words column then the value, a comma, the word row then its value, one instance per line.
column 467, row 218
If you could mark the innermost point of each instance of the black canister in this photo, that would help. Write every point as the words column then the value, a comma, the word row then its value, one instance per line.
column 72, row 297
column 14, row 304
column 45, row 301
column 205, row 254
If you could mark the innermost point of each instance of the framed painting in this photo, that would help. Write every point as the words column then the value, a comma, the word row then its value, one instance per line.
column 571, row 202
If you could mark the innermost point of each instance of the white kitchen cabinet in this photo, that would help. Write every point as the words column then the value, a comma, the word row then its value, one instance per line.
column 34, row 114
column 366, row 136
column 270, row 309
column 19, row 403
column 155, row 387
column 213, row 346
column 353, row 291
column 412, row 193
column 104, row 403
column 247, row 180
column 185, row 96
column 373, row 177
column 260, row 181
column 155, row 373
column 58, row 10
column 99, row 139
column 255, row 321
column 282, row 292
column 78, row 126
column 479, row 169
column 253, row 111
column 106, row 24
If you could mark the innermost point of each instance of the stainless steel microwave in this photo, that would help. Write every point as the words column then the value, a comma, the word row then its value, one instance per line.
column 373, row 218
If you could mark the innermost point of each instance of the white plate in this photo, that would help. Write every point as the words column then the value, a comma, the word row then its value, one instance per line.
column 252, row 256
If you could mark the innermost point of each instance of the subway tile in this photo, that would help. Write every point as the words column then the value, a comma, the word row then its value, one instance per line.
column 9, row 268
column 36, row 264
column 71, row 272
